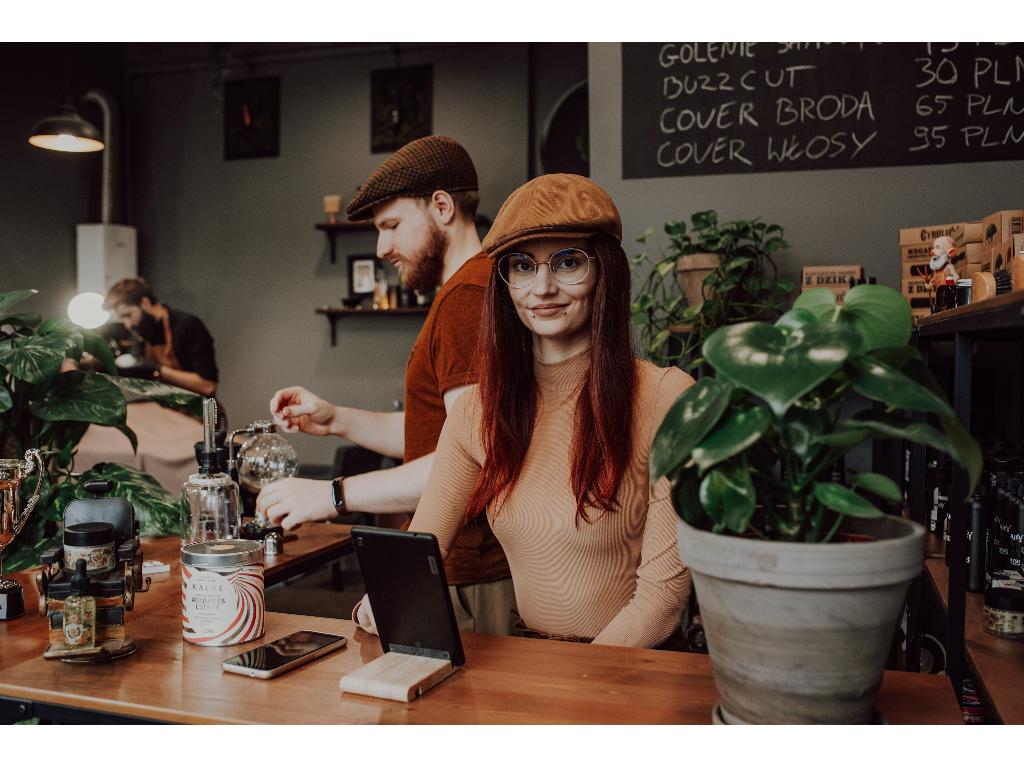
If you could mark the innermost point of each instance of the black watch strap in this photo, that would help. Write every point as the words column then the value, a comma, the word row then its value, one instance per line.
column 338, row 495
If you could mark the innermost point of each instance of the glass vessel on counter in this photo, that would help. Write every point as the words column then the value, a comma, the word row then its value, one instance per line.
column 265, row 457
column 211, row 507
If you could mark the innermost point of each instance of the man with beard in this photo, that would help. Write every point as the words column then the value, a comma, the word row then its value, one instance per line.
column 423, row 202
column 178, row 347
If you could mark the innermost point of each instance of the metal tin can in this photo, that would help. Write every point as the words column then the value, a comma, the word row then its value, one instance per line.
column 92, row 542
column 222, row 592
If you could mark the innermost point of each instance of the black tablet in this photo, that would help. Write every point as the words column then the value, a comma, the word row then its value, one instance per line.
column 404, row 576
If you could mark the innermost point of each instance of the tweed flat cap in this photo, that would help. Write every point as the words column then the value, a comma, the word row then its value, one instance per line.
column 556, row 205
column 418, row 169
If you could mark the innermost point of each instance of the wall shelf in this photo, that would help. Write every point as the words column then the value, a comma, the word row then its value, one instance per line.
column 334, row 314
column 332, row 231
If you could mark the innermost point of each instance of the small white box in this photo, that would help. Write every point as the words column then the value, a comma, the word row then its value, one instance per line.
column 106, row 253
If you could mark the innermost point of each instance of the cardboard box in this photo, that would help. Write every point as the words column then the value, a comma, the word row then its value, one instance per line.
column 970, row 268
column 962, row 232
column 918, row 292
column 1001, row 226
column 917, row 268
column 834, row 277
column 967, row 252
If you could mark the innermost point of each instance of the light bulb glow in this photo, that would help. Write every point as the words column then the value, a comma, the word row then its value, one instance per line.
column 65, row 142
column 86, row 310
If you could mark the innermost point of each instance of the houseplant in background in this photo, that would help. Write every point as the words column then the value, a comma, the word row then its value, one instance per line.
column 715, row 274
column 801, row 577
column 43, row 407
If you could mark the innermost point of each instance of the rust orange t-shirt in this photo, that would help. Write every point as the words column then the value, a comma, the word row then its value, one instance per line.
column 444, row 356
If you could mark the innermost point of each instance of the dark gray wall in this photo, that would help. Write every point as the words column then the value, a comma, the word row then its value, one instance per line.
column 233, row 241
column 830, row 217
column 44, row 194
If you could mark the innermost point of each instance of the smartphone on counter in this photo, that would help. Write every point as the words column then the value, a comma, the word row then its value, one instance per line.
column 283, row 654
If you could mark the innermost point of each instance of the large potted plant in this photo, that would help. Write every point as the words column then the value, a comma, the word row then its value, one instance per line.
column 714, row 274
column 45, row 407
column 801, row 576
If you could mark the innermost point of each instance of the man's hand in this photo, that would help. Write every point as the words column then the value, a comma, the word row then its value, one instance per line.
column 292, row 501
column 296, row 409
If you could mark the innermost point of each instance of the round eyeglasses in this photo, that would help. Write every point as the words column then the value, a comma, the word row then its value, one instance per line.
column 569, row 266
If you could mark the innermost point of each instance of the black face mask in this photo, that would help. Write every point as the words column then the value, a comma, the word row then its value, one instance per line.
column 150, row 329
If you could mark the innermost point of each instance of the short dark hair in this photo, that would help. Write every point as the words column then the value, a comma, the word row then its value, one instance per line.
column 130, row 291
column 466, row 202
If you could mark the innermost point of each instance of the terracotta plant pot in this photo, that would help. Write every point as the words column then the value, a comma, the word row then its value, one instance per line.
column 692, row 269
column 799, row 633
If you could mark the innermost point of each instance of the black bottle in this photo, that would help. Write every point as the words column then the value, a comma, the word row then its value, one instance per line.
column 977, row 542
column 1007, row 520
column 1018, row 532
column 997, row 551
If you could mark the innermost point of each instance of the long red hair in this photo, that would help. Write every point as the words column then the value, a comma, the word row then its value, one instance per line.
column 603, row 431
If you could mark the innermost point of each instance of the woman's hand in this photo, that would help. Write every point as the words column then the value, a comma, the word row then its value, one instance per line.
column 296, row 409
column 292, row 501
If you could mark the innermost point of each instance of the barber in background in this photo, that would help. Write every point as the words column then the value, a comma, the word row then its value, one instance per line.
column 423, row 202
column 178, row 347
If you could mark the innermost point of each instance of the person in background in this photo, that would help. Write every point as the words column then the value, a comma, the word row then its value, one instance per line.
column 423, row 201
column 552, row 446
column 178, row 346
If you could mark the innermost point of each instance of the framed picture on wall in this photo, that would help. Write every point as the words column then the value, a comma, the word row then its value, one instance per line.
column 361, row 274
column 252, row 118
column 401, row 104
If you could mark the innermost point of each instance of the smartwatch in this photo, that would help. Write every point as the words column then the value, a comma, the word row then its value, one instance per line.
column 338, row 494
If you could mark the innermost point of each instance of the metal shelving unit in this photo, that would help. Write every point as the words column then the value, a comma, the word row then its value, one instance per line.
column 1001, row 318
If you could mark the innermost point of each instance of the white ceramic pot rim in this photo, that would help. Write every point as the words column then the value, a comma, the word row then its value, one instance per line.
column 896, row 558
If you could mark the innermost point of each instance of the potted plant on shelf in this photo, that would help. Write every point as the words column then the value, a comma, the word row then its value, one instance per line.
column 714, row 274
column 801, row 576
column 43, row 407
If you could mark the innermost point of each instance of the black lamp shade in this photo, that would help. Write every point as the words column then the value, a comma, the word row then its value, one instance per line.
column 66, row 132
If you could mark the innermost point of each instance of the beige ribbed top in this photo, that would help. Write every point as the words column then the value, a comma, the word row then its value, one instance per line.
column 617, row 578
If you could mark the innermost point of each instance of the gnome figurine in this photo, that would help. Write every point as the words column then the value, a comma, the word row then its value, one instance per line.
column 941, row 262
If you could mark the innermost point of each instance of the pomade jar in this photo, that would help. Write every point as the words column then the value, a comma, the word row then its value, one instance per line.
column 1004, row 612
column 92, row 542
column 222, row 592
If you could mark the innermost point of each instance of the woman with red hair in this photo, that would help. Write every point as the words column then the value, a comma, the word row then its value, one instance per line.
column 553, row 443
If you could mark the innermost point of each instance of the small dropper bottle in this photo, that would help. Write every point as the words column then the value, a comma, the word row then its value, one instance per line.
column 80, row 611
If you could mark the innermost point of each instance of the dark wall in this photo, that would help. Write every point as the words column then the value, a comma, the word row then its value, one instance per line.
column 44, row 194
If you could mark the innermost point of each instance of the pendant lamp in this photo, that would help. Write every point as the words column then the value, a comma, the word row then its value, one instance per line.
column 66, row 132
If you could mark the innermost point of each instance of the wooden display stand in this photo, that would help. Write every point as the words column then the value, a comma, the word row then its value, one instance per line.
column 397, row 676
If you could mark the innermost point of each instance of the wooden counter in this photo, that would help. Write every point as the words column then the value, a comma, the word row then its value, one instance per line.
column 997, row 662
column 505, row 680
column 316, row 543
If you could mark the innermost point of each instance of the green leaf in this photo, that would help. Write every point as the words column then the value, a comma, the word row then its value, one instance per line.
column 880, row 485
column 160, row 392
column 686, row 499
column 880, row 381
column 736, row 432
column 802, row 428
column 779, row 367
column 128, row 432
column 897, row 357
column 65, row 330
column 894, row 425
column 689, row 419
column 844, row 501
column 665, row 267
column 13, row 298
column 879, row 314
column 774, row 244
column 820, row 302
column 964, row 449
column 79, row 396
column 727, row 495
column 795, row 318
column 35, row 359
column 843, row 440
column 97, row 346
column 6, row 403
column 157, row 510
column 22, row 320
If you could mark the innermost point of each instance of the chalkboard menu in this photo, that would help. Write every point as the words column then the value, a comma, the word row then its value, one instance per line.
column 704, row 108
